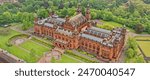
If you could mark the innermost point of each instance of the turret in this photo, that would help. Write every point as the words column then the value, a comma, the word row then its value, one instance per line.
column 79, row 9
column 88, row 13
column 67, row 18
column 75, row 32
column 35, row 19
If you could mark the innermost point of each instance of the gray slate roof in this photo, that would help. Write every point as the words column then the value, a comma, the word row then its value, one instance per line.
column 91, row 37
column 100, row 30
column 77, row 20
column 58, row 21
column 48, row 25
column 65, row 32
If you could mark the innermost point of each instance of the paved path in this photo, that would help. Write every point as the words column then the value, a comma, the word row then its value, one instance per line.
column 2, row 60
column 147, row 58
column 46, row 58
column 134, row 34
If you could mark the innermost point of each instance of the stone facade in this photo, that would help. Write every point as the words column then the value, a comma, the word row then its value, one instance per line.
column 79, row 32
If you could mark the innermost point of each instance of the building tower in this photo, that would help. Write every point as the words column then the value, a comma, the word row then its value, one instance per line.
column 79, row 9
column 88, row 13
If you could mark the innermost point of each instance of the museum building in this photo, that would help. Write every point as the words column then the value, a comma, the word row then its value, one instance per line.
column 80, row 32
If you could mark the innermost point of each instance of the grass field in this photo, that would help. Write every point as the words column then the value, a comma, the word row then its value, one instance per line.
column 39, row 49
column 111, row 23
column 14, row 49
column 145, row 45
column 142, row 38
column 19, row 52
column 66, row 59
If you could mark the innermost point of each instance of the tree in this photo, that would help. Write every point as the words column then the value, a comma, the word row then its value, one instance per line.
column 148, row 29
column 147, row 1
column 119, row 2
column 139, row 28
column 42, row 13
column 131, row 7
column 29, row 8
column 94, row 15
column 26, row 24
column 61, row 5
column 46, row 4
column 132, row 43
column 7, row 17
column 70, row 4
column 18, row 17
column 21, row 1
column 139, row 59
column 130, row 53
column 71, row 11
column 64, row 12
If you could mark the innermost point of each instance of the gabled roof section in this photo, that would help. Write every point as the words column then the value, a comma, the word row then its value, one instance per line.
column 99, row 32
column 58, row 21
column 48, row 25
column 63, row 31
column 77, row 20
column 93, row 38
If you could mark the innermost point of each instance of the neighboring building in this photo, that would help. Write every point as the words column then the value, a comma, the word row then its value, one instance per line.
column 80, row 32
column 10, row 1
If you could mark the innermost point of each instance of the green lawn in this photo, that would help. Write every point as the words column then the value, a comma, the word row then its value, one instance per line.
column 142, row 38
column 21, row 53
column 111, row 23
column 14, row 49
column 66, row 59
column 39, row 49
column 145, row 45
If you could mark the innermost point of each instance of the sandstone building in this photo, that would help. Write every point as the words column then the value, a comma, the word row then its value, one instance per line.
column 78, row 32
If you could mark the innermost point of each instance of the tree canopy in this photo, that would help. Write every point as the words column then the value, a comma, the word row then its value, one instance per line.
column 125, row 12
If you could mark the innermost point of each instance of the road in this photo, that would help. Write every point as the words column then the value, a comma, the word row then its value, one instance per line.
column 2, row 60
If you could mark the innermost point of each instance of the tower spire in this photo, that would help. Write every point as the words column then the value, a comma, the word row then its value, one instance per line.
column 88, row 13
column 79, row 9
